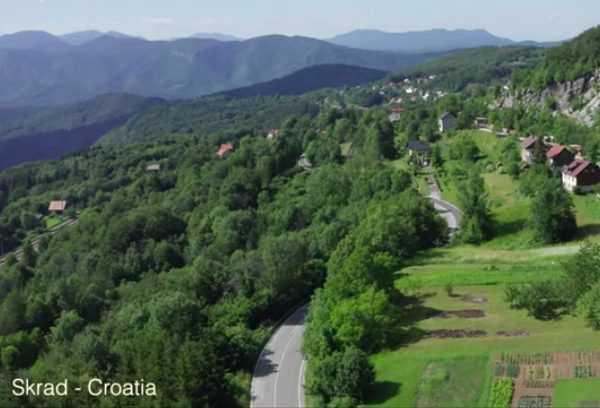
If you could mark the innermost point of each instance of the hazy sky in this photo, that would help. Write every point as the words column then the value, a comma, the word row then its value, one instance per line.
column 516, row 19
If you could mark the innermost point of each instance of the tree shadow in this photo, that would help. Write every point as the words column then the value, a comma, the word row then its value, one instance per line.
column 415, row 311
column 265, row 366
column 587, row 231
column 382, row 391
column 505, row 228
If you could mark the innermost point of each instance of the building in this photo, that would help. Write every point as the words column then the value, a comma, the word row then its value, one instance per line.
column 57, row 207
column 273, row 133
column 395, row 114
column 420, row 150
column 304, row 163
column 527, row 148
column 225, row 149
column 153, row 168
column 480, row 122
column 446, row 121
column 559, row 156
column 581, row 176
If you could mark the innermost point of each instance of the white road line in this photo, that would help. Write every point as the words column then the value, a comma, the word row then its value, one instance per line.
column 301, row 385
column 280, row 364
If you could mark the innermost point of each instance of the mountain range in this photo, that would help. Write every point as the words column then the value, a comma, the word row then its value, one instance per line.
column 39, row 69
column 438, row 40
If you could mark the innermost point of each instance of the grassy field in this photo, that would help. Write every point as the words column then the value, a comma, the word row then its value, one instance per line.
column 453, row 382
column 431, row 371
column 399, row 372
column 577, row 393
column 51, row 222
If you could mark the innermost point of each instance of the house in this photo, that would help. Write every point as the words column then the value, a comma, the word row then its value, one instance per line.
column 304, row 163
column 446, row 121
column 559, row 156
column 420, row 150
column 480, row 122
column 273, row 133
column 57, row 207
column 153, row 168
column 395, row 114
column 225, row 149
column 527, row 148
column 581, row 175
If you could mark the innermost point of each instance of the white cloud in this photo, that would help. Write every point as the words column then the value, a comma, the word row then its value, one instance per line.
column 159, row 21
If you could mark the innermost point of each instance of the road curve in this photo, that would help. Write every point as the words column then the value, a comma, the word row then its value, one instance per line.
column 450, row 213
column 272, row 385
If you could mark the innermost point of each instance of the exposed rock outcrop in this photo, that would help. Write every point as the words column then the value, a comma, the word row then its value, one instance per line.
column 578, row 99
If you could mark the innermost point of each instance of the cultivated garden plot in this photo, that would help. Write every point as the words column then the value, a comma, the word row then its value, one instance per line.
column 535, row 375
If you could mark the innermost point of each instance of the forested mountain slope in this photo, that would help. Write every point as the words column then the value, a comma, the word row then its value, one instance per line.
column 311, row 79
column 211, row 114
column 176, row 277
column 28, row 134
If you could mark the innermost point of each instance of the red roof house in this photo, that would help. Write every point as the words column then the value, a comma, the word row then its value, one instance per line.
column 580, row 175
column 273, row 133
column 57, row 206
column 225, row 149
column 559, row 156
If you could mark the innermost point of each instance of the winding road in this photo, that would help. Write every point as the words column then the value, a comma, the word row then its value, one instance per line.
column 279, row 373
column 278, row 380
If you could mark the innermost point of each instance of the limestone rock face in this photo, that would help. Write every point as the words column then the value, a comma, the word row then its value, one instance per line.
column 578, row 99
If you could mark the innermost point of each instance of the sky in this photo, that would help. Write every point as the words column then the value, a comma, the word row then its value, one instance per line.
column 541, row 20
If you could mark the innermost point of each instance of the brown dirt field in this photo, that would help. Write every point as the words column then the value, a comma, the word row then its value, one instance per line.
column 455, row 334
column 464, row 314
column 513, row 333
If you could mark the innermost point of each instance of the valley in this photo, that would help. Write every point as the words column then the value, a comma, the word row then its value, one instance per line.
column 376, row 219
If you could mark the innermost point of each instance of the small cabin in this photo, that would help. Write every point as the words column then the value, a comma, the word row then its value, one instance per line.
column 224, row 150
column 273, row 133
column 153, row 168
column 57, row 207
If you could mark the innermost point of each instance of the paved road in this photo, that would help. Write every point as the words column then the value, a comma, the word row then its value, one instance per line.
column 450, row 213
column 276, row 386
column 36, row 241
column 272, row 385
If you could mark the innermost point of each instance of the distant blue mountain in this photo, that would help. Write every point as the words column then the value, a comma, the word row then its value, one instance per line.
column 82, row 37
column 33, row 40
column 216, row 36
column 437, row 40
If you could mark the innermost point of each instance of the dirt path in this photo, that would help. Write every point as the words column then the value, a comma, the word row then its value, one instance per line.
column 18, row 252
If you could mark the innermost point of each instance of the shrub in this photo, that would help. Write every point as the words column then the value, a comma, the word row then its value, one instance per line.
column 502, row 392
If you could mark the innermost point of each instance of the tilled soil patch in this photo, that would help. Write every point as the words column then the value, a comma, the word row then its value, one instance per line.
column 455, row 334
column 465, row 314
column 513, row 333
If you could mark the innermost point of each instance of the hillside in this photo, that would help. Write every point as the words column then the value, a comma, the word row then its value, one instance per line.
column 211, row 114
column 185, row 68
column 28, row 134
column 482, row 66
column 567, row 81
column 310, row 79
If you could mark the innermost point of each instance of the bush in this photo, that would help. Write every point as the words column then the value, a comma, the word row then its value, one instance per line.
column 502, row 392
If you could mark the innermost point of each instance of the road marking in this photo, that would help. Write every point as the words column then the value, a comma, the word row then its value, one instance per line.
column 283, row 354
column 300, row 385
